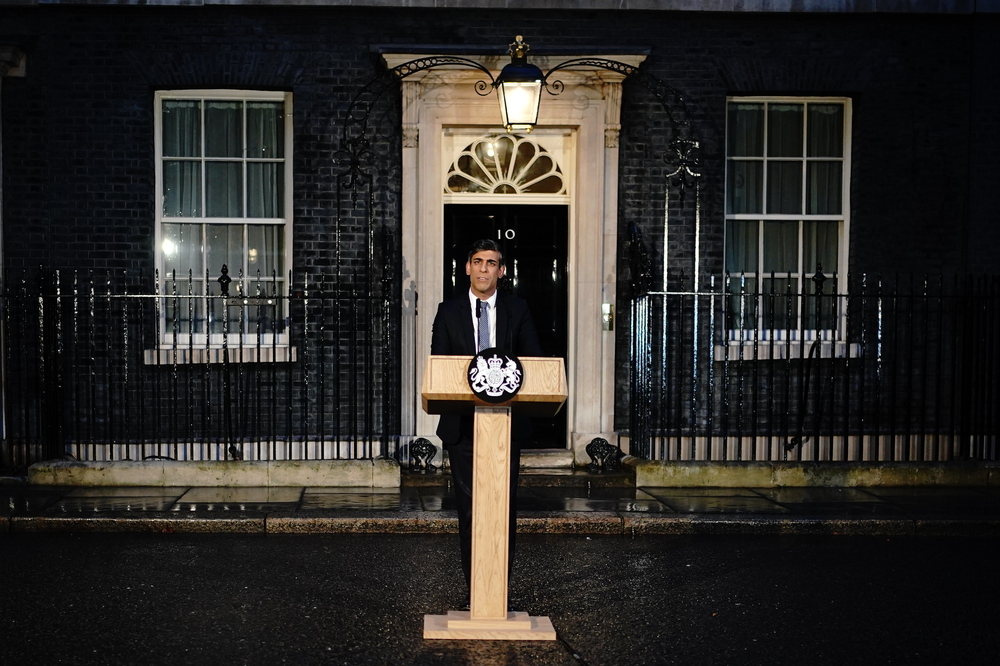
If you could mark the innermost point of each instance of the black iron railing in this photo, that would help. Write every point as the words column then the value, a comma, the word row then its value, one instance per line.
column 875, row 369
column 98, row 370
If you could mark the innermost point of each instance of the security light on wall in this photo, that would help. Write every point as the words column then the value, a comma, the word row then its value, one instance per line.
column 519, row 89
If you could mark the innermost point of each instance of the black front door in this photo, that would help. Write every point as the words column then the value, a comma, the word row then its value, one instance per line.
column 534, row 243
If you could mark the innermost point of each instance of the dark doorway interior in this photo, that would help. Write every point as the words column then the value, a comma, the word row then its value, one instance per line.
column 534, row 242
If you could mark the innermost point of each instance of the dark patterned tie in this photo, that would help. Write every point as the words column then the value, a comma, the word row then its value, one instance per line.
column 484, row 326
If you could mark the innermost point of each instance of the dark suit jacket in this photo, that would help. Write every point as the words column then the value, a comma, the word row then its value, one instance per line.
column 453, row 335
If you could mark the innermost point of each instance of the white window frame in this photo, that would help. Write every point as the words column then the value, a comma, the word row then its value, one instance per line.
column 242, row 291
column 792, row 338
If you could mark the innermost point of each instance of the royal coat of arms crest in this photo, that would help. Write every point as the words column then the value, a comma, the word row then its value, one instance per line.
column 495, row 375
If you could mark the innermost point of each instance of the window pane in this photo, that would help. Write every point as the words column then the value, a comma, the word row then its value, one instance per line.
column 784, row 187
column 491, row 154
column 459, row 183
column 549, row 185
column 779, row 303
column 745, row 186
column 181, row 189
column 746, row 130
column 224, row 245
column 497, row 155
column 224, row 189
column 541, row 166
column 826, row 130
column 820, row 246
column 265, row 188
column 265, row 251
column 824, row 188
column 224, row 129
column 741, row 246
column 181, row 128
column 525, row 153
column 181, row 246
column 784, row 130
column 265, row 129
column 468, row 165
column 781, row 247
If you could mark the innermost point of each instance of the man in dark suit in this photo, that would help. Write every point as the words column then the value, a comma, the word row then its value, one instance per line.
column 476, row 320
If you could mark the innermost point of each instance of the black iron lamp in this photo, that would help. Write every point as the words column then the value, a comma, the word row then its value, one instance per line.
column 519, row 89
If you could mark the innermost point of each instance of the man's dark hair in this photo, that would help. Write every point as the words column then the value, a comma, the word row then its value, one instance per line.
column 485, row 244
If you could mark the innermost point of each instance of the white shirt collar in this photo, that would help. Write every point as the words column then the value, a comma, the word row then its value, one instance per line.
column 492, row 300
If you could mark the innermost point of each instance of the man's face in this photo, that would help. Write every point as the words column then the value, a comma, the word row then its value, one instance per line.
column 484, row 270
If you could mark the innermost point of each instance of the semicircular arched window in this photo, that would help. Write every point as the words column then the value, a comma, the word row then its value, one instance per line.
column 505, row 164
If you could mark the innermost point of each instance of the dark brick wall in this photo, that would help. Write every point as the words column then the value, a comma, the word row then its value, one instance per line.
column 908, row 78
column 984, row 140
column 78, row 130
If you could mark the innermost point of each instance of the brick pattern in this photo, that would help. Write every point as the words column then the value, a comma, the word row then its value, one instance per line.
column 78, row 129
column 79, row 126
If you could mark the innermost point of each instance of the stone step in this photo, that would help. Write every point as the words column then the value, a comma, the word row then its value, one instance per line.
column 534, row 478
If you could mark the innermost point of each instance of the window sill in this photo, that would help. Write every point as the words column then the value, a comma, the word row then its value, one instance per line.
column 766, row 350
column 189, row 356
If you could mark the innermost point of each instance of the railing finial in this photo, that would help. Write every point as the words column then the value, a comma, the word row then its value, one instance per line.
column 224, row 280
column 818, row 279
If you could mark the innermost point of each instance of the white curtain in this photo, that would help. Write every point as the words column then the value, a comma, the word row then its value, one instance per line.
column 784, row 139
column 741, row 246
column 224, row 139
column 825, row 178
column 181, row 121
column 265, row 140
column 745, row 136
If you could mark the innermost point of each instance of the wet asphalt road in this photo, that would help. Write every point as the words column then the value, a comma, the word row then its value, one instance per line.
column 360, row 599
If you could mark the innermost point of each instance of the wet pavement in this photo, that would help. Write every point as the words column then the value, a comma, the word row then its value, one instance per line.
column 588, row 507
column 359, row 599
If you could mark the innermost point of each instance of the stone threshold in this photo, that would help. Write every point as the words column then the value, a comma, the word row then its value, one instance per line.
column 778, row 474
column 378, row 473
column 385, row 473
column 537, row 477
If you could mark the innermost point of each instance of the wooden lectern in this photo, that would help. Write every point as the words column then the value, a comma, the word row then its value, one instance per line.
column 446, row 391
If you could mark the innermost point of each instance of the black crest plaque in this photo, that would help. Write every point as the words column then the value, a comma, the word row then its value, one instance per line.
column 495, row 375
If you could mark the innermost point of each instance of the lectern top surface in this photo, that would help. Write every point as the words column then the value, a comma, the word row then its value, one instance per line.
column 445, row 381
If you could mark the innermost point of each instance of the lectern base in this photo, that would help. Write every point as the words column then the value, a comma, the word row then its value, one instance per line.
column 518, row 626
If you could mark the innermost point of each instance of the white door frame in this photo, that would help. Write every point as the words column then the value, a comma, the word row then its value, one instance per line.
column 589, row 107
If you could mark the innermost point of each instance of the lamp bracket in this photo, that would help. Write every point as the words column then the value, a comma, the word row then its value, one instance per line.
column 355, row 151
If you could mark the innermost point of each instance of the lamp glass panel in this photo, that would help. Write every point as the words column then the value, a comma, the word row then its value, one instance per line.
column 519, row 102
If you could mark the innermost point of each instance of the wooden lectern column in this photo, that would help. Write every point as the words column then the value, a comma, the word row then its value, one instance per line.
column 447, row 391
column 491, row 508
